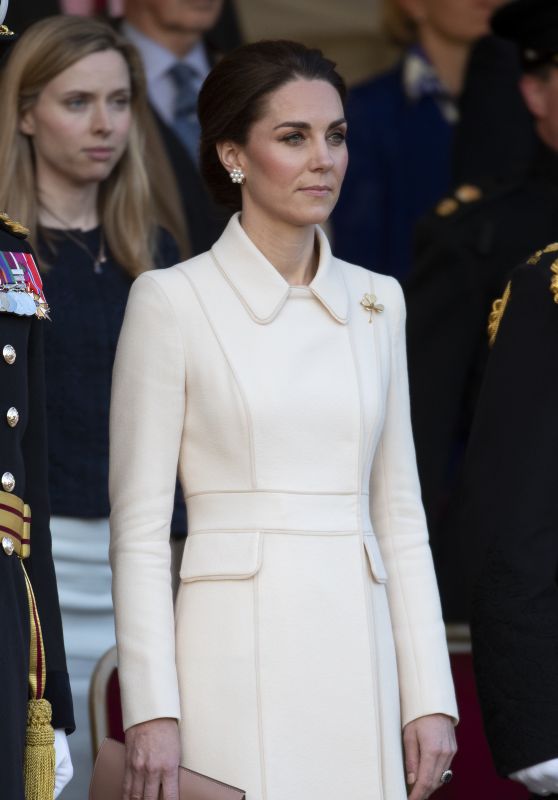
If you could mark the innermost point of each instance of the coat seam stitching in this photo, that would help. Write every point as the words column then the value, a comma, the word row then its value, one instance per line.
column 248, row 416
column 257, row 666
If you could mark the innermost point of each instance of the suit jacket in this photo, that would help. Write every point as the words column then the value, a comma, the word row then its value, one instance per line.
column 178, row 185
column 23, row 453
column 183, row 203
column 294, row 448
column 507, row 526
column 462, row 262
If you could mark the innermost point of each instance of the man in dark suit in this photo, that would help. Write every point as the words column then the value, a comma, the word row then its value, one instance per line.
column 464, row 251
column 173, row 38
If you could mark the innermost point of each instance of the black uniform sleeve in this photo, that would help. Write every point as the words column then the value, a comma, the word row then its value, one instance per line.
column 40, row 565
column 509, row 528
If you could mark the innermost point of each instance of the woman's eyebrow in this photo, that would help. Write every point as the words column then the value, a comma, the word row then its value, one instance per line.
column 306, row 125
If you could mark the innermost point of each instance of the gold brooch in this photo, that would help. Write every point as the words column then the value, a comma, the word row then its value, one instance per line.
column 369, row 303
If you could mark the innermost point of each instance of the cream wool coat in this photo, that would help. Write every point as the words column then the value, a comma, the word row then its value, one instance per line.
column 307, row 628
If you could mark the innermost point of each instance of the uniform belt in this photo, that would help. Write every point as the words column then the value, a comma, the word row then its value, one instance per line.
column 15, row 525
column 305, row 512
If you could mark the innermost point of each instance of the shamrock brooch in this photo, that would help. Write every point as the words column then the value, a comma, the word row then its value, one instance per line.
column 369, row 304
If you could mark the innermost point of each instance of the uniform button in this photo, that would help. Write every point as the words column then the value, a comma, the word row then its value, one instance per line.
column 12, row 417
column 9, row 354
column 8, row 482
column 8, row 545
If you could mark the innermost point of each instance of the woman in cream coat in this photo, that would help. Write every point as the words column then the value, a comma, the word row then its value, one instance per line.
column 307, row 632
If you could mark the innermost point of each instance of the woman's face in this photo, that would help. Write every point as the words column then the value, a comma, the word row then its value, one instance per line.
column 295, row 157
column 81, row 121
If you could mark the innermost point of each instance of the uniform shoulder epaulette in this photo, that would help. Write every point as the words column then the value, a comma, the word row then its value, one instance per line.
column 496, row 314
column 463, row 195
column 472, row 198
column 13, row 227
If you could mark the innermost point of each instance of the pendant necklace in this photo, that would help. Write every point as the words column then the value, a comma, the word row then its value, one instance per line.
column 99, row 259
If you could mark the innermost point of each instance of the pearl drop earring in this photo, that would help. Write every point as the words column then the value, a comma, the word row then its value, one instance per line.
column 237, row 176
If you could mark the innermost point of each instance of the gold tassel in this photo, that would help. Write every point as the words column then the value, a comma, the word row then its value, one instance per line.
column 39, row 761
column 39, row 758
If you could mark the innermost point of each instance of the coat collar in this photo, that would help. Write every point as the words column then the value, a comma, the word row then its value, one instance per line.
column 262, row 289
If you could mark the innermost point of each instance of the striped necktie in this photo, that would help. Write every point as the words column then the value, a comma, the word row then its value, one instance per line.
column 185, row 119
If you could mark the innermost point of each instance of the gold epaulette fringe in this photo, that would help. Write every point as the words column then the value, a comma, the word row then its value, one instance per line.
column 495, row 316
column 15, row 227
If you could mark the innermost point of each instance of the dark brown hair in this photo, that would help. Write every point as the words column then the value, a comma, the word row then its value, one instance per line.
column 234, row 94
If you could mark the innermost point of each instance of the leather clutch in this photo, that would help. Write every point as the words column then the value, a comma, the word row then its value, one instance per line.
column 108, row 777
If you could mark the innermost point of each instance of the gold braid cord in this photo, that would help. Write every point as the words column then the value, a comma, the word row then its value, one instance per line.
column 39, row 761
column 495, row 317
column 536, row 257
column 554, row 280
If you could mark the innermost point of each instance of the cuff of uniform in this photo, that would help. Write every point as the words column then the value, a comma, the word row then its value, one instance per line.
column 59, row 695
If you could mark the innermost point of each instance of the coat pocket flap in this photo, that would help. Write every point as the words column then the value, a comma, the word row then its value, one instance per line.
column 230, row 555
column 375, row 558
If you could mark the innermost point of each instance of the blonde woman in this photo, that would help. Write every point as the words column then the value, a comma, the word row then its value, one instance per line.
column 71, row 165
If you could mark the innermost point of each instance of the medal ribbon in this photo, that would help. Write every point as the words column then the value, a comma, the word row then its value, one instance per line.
column 19, row 275
column 7, row 277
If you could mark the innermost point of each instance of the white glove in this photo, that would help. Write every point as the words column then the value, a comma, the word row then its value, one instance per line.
column 62, row 761
column 541, row 778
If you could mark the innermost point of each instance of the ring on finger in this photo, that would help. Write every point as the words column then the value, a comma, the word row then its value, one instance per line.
column 446, row 776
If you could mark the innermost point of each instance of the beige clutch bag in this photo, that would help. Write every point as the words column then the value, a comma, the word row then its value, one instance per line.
column 108, row 777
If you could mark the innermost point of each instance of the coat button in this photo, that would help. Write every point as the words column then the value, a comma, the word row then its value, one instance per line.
column 9, row 354
column 8, row 482
column 12, row 417
column 8, row 545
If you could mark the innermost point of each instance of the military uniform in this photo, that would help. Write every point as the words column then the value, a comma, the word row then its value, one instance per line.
column 507, row 511
column 464, row 252
column 24, row 510
column 508, row 521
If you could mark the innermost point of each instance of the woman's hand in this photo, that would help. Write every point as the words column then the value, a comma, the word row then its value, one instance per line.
column 429, row 749
column 152, row 759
